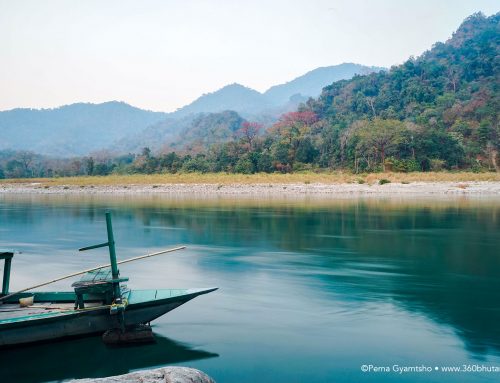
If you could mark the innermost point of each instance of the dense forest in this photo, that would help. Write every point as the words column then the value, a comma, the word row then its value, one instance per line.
column 438, row 111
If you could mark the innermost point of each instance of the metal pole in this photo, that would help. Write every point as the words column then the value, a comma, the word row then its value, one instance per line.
column 6, row 275
column 112, row 258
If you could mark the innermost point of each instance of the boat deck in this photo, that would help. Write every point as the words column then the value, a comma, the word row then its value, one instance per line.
column 11, row 312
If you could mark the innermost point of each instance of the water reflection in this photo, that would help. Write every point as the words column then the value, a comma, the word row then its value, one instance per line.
column 90, row 358
column 334, row 271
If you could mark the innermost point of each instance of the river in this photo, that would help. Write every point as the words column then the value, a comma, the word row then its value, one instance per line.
column 309, row 290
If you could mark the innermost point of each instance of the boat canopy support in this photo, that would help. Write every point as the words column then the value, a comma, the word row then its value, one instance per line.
column 6, row 255
column 112, row 257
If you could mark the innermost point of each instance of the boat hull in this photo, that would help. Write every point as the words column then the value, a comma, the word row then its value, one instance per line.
column 142, row 308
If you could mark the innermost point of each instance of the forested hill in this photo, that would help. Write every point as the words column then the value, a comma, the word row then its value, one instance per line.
column 451, row 74
column 437, row 111
column 448, row 98
column 193, row 133
column 74, row 129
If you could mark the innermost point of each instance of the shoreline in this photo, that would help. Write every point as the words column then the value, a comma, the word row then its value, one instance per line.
column 324, row 190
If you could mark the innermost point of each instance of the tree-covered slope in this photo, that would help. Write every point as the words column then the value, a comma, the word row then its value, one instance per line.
column 450, row 75
column 192, row 133
column 205, row 130
column 450, row 94
column 153, row 137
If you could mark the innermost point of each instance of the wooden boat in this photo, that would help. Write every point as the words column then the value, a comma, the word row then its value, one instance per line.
column 99, row 303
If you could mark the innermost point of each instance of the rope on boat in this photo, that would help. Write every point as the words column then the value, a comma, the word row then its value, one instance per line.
column 89, row 270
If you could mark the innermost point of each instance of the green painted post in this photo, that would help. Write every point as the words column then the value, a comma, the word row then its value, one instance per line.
column 6, row 276
column 112, row 257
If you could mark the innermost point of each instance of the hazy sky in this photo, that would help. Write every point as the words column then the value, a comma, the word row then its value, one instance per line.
column 161, row 55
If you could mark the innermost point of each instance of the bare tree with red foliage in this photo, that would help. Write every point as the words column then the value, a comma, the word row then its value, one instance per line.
column 249, row 131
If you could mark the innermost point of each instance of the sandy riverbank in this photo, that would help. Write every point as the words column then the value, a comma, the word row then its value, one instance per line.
column 341, row 190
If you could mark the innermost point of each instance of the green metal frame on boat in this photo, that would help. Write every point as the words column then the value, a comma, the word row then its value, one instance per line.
column 6, row 255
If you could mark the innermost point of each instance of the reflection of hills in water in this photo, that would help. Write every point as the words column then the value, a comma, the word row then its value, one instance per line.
column 90, row 358
column 436, row 258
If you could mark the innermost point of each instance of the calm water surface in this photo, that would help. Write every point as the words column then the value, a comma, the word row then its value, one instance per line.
column 309, row 290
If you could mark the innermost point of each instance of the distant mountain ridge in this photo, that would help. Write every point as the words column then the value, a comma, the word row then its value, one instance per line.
column 249, row 102
column 230, row 97
column 312, row 83
column 82, row 128
column 75, row 129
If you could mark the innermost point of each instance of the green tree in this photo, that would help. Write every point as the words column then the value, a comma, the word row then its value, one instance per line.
column 89, row 165
column 380, row 137
column 244, row 165
column 265, row 163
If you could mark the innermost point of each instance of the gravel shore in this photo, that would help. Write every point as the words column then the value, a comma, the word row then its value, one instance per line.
column 490, row 189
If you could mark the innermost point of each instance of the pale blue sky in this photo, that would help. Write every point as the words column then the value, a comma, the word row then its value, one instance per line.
column 161, row 55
